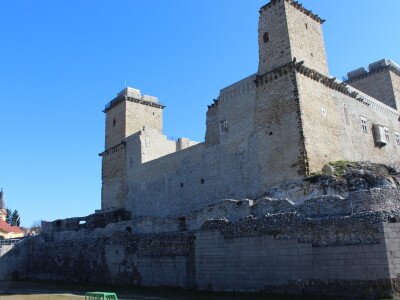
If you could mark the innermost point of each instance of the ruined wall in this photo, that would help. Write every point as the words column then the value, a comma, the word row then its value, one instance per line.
column 333, row 129
column 356, row 256
column 122, row 259
column 13, row 260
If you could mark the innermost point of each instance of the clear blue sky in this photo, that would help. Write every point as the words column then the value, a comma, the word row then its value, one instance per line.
column 60, row 61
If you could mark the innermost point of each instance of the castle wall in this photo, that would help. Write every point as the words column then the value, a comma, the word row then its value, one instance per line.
column 113, row 191
column 330, row 257
column 279, row 144
column 13, row 260
column 335, row 136
column 205, row 173
column 256, row 263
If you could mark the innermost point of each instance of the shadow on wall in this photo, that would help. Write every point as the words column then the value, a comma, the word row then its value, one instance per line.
column 13, row 260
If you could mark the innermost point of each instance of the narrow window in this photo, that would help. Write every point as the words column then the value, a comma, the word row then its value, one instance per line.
column 364, row 125
column 202, row 181
column 266, row 37
column 223, row 127
column 397, row 138
column 323, row 111
column 306, row 26
column 114, row 122
column 387, row 137
column 181, row 184
column 346, row 115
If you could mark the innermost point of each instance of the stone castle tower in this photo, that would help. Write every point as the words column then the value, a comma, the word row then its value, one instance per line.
column 127, row 114
column 288, row 31
column 282, row 123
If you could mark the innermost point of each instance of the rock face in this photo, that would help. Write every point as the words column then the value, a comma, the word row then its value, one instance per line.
column 331, row 234
column 338, row 178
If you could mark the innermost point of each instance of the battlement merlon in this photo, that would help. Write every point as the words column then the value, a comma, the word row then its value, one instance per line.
column 381, row 65
column 297, row 5
column 133, row 95
column 381, row 81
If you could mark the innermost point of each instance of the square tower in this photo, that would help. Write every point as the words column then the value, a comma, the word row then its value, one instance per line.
column 126, row 115
column 287, row 31
column 381, row 81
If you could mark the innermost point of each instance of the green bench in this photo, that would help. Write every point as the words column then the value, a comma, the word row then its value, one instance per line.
column 100, row 296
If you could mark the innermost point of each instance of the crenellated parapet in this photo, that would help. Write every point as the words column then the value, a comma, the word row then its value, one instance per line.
column 298, row 6
column 133, row 95
column 374, row 68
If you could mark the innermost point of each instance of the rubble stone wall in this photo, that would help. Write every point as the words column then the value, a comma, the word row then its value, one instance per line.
column 359, row 256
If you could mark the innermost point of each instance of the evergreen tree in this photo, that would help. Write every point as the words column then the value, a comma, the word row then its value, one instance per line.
column 8, row 216
column 15, row 219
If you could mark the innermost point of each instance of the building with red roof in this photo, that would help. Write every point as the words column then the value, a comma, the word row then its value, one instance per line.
column 7, row 231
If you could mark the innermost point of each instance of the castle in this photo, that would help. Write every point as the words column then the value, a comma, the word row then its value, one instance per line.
column 248, row 209
column 282, row 123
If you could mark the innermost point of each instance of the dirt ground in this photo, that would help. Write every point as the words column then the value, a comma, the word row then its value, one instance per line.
column 39, row 290
column 41, row 297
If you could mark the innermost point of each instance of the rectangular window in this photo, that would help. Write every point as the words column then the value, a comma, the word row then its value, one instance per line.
column 364, row 125
column 387, row 137
column 397, row 138
column 346, row 115
column 223, row 127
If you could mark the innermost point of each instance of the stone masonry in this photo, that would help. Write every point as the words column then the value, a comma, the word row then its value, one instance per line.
column 283, row 123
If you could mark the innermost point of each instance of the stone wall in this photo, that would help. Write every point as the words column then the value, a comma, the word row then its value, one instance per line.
column 333, row 129
column 278, row 129
column 256, row 263
column 13, row 260
column 329, row 256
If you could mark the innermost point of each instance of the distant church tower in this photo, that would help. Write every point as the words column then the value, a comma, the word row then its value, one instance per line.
column 3, row 211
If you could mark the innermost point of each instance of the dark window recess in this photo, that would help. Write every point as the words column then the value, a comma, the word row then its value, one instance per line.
column 202, row 181
column 114, row 122
column 181, row 184
column 266, row 37
column 129, row 229
column 306, row 26
column 182, row 224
